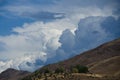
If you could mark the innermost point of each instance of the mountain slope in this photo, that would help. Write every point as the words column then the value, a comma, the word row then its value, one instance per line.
column 110, row 66
column 101, row 61
column 91, row 57
column 12, row 74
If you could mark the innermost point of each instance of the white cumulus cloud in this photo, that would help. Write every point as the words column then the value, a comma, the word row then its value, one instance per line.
column 30, row 41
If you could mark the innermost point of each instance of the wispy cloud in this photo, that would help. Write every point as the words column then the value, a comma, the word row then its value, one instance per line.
column 68, row 7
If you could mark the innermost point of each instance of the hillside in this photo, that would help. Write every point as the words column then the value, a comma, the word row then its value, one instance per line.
column 110, row 66
column 12, row 74
column 90, row 57
column 102, row 62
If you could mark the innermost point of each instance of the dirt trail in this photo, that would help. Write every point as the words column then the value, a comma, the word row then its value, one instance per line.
column 89, row 75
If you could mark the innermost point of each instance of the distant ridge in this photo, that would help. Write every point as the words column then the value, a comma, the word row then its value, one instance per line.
column 12, row 74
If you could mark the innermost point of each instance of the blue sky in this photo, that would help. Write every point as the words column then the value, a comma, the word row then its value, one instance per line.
column 34, row 33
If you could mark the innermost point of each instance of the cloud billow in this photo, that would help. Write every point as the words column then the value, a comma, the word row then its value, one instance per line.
column 112, row 26
column 32, row 45
column 54, row 34
column 91, row 32
column 38, row 45
column 67, row 40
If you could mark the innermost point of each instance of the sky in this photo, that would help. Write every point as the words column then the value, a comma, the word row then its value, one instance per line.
column 34, row 33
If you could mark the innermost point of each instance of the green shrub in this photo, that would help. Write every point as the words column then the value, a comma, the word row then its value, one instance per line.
column 75, row 70
column 79, row 69
column 36, row 73
column 82, row 69
column 59, row 70
column 46, row 70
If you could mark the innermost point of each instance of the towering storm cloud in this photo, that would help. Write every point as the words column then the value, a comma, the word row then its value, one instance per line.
column 31, row 45
column 34, row 33
column 91, row 32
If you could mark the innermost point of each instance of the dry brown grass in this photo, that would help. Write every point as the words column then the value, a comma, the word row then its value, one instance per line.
column 77, row 76
column 109, row 66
